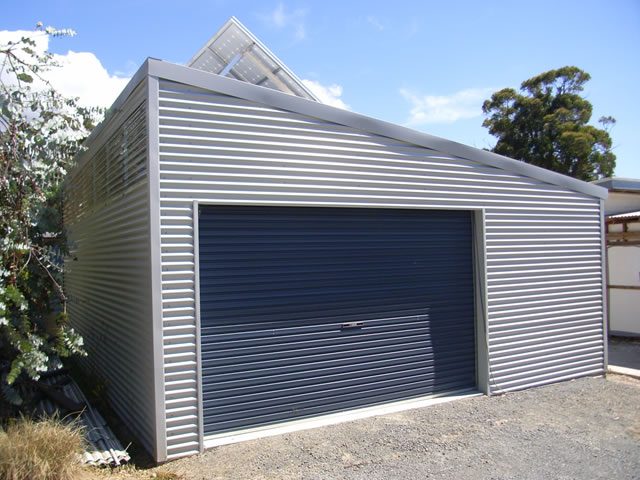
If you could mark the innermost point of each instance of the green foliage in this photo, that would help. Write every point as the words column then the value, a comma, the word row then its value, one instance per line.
column 547, row 125
column 40, row 133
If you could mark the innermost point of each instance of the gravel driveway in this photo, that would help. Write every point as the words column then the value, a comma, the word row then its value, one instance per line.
column 583, row 429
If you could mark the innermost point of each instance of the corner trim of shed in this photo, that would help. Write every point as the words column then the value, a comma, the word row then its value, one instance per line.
column 156, row 268
column 605, row 289
column 483, row 383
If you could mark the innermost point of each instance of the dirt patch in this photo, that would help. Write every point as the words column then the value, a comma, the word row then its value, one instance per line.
column 130, row 472
column 586, row 428
column 616, row 377
column 579, row 429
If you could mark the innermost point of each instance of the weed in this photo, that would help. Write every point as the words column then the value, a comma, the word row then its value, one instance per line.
column 46, row 449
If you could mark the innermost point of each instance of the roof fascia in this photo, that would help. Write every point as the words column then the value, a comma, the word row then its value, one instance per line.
column 621, row 218
column 267, row 96
column 619, row 184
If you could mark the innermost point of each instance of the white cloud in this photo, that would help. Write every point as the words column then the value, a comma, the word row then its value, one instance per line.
column 277, row 16
column 329, row 95
column 430, row 109
column 375, row 23
column 80, row 74
column 280, row 19
column 413, row 28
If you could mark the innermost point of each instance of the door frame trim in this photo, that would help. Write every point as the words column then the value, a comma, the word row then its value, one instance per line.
column 481, row 345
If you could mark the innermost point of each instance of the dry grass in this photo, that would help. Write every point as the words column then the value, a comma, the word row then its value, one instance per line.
column 46, row 450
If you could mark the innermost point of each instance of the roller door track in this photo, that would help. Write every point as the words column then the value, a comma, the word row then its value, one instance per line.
column 306, row 311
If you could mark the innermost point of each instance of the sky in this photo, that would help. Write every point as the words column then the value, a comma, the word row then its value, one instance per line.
column 424, row 64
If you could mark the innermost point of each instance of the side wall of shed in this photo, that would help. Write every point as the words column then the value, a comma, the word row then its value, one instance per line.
column 543, row 242
column 107, row 274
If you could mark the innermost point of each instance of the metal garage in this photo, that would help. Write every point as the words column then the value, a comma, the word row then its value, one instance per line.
column 311, row 310
column 244, row 256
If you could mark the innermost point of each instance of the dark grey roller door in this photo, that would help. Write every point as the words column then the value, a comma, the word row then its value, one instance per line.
column 312, row 310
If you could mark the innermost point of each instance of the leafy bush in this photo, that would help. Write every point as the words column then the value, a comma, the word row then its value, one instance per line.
column 47, row 450
column 40, row 133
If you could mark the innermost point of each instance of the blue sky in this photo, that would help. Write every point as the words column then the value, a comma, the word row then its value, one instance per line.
column 424, row 64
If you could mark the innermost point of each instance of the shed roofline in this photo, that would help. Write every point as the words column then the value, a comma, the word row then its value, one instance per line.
column 267, row 96
column 102, row 129
column 619, row 184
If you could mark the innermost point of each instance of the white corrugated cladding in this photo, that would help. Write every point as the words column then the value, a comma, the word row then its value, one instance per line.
column 544, row 272
column 107, row 278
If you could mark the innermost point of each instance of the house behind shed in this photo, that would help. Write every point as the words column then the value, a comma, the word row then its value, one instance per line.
column 623, row 264
column 622, row 211
column 246, row 257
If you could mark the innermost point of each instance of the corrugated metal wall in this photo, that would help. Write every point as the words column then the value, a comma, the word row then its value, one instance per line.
column 107, row 278
column 543, row 242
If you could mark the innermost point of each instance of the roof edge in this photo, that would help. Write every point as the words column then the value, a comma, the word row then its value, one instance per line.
column 619, row 184
column 140, row 75
column 210, row 81
column 624, row 217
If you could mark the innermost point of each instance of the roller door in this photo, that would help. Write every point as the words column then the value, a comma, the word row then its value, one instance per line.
column 306, row 311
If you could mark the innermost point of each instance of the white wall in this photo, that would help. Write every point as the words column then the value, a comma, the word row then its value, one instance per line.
column 622, row 202
column 624, row 305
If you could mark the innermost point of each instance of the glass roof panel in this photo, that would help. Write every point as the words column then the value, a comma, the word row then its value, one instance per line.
column 249, row 71
column 209, row 62
column 235, row 52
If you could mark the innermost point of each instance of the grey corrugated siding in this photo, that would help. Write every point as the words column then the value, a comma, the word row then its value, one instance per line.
column 543, row 241
column 107, row 216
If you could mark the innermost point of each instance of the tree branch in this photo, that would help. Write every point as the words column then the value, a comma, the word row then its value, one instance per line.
column 61, row 294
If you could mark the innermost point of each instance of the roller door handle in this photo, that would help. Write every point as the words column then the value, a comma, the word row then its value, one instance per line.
column 348, row 325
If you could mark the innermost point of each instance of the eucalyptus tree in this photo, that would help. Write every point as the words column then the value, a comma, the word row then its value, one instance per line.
column 547, row 124
column 40, row 133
